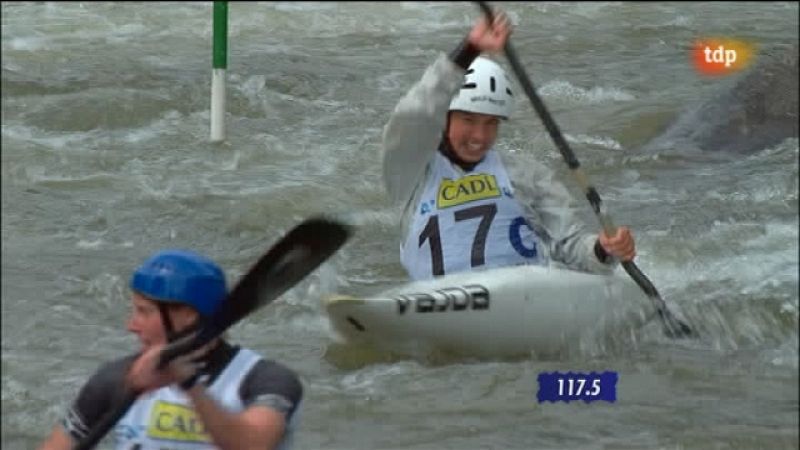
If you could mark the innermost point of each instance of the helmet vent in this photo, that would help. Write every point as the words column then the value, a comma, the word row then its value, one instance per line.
column 486, row 89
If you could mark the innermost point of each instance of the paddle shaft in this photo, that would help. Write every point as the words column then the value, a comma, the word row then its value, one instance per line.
column 107, row 422
column 673, row 325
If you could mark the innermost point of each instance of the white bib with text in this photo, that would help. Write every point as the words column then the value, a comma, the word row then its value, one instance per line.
column 467, row 221
column 165, row 419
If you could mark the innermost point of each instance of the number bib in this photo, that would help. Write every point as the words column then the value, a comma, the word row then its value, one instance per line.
column 164, row 418
column 467, row 221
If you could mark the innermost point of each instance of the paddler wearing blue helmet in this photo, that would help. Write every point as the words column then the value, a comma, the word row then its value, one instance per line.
column 221, row 396
column 464, row 207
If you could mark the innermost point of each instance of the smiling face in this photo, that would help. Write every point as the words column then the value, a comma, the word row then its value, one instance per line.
column 145, row 320
column 471, row 135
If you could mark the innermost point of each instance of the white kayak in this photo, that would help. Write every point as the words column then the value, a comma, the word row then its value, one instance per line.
column 519, row 310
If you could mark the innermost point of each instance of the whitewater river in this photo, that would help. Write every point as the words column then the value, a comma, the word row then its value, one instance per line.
column 106, row 158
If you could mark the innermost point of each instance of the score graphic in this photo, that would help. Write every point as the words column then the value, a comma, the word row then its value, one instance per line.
column 570, row 386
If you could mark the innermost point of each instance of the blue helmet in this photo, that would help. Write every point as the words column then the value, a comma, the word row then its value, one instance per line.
column 181, row 276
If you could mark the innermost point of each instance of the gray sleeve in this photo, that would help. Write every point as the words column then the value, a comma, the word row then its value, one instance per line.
column 273, row 385
column 415, row 127
column 550, row 209
column 96, row 397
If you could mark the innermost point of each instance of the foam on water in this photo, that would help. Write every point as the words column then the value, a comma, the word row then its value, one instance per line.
column 600, row 141
column 27, row 44
column 100, row 243
column 564, row 90
column 738, row 297
column 69, row 142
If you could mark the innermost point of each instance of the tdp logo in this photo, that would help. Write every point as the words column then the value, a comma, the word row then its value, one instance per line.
column 466, row 189
column 176, row 422
column 715, row 57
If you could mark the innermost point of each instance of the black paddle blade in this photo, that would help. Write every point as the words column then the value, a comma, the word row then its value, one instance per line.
column 290, row 260
column 673, row 327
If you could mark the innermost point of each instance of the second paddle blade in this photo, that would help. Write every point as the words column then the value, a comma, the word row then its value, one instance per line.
column 290, row 260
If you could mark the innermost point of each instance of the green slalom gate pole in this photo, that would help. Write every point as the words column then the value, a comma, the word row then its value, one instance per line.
column 219, row 67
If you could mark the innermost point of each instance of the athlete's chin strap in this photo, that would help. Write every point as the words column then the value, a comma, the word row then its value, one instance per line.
column 172, row 335
column 169, row 328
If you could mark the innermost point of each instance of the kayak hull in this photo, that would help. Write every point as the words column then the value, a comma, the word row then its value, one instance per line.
column 493, row 313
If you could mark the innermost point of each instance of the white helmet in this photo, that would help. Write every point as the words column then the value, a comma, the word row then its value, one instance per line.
column 486, row 90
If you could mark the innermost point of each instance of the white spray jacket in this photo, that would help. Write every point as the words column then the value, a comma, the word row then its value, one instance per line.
column 410, row 141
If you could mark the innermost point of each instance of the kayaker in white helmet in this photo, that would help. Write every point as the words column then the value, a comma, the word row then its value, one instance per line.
column 463, row 208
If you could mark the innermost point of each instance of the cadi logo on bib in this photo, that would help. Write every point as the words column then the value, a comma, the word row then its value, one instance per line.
column 721, row 56
column 176, row 422
column 466, row 189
